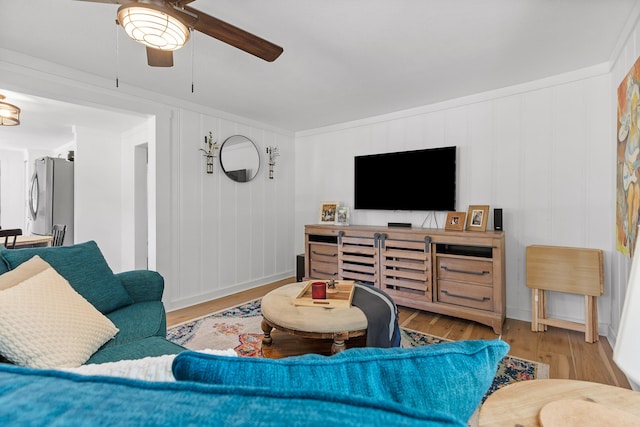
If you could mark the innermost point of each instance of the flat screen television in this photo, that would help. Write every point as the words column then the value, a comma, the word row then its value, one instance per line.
column 419, row 180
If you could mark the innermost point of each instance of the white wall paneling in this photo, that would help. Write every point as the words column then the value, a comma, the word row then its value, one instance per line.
column 540, row 152
column 233, row 236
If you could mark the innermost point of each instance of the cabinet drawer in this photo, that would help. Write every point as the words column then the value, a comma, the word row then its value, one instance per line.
column 323, row 270
column 466, row 295
column 323, row 253
column 466, row 270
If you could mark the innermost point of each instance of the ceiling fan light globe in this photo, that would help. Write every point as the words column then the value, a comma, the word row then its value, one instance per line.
column 9, row 113
column 158, row 42
column 153, row 26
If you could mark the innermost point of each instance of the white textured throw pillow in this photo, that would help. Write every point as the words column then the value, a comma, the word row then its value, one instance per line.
column 153, row 368
column 27, row 269
column 45, row 323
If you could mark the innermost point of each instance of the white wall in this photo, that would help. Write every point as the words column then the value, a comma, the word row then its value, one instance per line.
column 542, row 152
column 97, row 193
column 13, row 184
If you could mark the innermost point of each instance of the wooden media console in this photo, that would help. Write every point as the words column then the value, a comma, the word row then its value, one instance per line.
column 455, row 273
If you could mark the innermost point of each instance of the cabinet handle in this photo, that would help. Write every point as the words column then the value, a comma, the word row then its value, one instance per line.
column 452, row 270
column 483, row 299
column 323, row 254
column 323, row 272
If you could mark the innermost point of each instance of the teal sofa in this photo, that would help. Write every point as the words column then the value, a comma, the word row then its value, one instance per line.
column 435, row 385
column 131, row 300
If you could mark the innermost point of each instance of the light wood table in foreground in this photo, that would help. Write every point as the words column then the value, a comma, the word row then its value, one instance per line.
column 519, row 404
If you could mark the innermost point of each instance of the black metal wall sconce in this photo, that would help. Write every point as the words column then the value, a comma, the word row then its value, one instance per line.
column 211, row 151
column 272, row 151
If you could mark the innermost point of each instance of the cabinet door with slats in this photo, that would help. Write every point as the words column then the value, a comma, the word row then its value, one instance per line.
column 406, row 268
column 358, row 257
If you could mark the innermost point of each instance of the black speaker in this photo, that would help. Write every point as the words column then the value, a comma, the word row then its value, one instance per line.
column 497, row 219
column 299, row 267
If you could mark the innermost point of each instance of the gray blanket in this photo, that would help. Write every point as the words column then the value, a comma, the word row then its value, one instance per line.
column 381, row 313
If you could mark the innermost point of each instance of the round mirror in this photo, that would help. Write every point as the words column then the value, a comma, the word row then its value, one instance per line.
column 239, row 158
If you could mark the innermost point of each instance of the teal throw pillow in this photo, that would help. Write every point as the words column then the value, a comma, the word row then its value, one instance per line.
column 40, row 397
column 449, row 377
column 84, row 267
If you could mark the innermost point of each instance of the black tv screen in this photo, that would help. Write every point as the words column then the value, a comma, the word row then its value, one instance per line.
column 419, row 180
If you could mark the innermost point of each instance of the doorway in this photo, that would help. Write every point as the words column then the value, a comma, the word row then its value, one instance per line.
column 141, row 206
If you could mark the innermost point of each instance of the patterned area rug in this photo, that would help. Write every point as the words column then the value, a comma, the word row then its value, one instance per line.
column 239, row 328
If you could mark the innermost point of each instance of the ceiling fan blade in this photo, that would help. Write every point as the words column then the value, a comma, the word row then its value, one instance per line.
column 159, row 58
column 235, row 36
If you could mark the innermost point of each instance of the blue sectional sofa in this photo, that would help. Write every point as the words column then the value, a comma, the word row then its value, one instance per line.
column 131, row 300
column 436, row 385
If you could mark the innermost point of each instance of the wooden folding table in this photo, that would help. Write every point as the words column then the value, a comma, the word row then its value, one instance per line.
column 564, row 269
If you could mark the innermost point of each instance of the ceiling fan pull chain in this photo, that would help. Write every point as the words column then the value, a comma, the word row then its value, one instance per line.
column 193, row 42
column 117, row 54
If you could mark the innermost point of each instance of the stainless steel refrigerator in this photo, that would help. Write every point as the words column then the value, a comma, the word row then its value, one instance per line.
column 51, row 196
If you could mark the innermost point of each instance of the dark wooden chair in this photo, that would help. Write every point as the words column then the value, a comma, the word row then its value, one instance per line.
column 58, row 232
column 8, row 234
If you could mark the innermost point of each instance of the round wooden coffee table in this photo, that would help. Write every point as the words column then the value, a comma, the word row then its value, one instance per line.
column 338, row 324
column 525, row 403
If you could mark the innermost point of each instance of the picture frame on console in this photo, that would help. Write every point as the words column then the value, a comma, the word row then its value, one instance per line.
column 477, row 217
column 455, row 221
column 342, row 215
column 328, row 212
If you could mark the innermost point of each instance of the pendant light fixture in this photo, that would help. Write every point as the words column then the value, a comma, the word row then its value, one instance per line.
column 155, row 25
column 9, row 113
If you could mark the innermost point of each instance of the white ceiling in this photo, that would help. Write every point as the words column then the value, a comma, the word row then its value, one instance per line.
column 343, row 59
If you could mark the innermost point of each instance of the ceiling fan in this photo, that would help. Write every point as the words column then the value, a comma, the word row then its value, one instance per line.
column 164, row 26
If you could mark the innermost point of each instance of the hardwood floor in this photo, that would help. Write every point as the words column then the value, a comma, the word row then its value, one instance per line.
column 565, row 351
